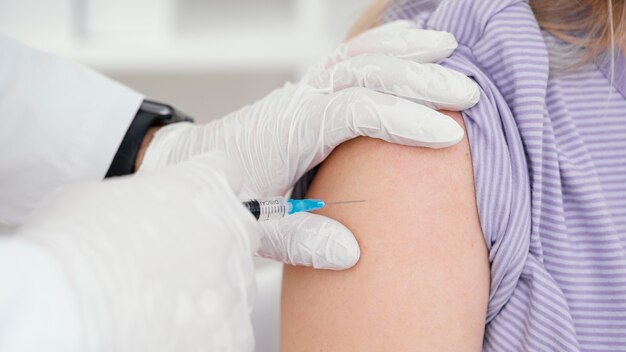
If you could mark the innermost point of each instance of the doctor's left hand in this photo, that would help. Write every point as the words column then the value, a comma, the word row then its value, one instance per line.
column 382, row 84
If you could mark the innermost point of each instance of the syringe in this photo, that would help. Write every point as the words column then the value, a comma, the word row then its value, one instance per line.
column 279, row 207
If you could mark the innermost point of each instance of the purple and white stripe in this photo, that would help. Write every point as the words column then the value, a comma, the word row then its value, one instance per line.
column 549, row 157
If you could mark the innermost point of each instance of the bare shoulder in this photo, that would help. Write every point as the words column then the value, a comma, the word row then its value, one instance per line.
column 423, row 279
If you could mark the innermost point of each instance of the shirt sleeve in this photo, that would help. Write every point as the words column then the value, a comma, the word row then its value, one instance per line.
column 38, row 309
column 60, row 123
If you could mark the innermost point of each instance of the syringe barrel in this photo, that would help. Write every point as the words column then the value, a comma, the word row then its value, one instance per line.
column 269, row 208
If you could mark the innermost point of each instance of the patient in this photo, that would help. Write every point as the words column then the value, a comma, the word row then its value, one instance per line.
column 513, row 240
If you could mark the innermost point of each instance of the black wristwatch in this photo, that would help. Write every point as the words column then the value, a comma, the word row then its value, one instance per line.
column 150, row 114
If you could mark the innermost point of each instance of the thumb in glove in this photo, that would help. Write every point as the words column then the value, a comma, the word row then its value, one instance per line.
column 309, row 240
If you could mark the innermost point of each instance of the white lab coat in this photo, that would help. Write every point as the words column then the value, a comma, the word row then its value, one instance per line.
column 60, row 124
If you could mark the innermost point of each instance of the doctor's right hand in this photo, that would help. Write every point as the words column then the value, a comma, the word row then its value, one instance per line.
column 155, row 261
column 382, row 84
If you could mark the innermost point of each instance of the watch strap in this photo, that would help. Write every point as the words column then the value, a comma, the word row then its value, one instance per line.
column 150, row 114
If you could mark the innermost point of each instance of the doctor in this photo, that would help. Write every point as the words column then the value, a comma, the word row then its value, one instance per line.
column 158, row 261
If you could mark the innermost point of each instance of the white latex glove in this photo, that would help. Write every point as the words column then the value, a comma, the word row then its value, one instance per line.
column 158, row 262
column 353, row 92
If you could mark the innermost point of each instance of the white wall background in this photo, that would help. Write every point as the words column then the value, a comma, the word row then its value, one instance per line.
column 207, row 57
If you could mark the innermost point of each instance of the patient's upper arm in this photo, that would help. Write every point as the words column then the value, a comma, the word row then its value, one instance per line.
column 422, row 282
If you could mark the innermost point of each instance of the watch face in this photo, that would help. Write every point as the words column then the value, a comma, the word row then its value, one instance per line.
column 156, row 108
column 169, row 114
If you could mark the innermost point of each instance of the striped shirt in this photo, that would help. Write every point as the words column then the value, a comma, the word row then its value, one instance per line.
column 549, row 156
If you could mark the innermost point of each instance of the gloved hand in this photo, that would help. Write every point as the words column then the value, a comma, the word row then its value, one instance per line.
column 157, row 261
column 381, row 84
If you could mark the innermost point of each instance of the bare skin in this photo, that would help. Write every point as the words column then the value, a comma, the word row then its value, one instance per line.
column 144, row 146
column 422, row 282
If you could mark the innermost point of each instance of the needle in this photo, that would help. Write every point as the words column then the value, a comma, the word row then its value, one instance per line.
column 345, row 202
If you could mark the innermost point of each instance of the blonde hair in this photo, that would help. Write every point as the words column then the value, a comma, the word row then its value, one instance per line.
column 594, row 25
column 370, row 18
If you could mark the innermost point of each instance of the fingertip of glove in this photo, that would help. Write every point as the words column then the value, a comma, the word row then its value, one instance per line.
column 346, row 249
column 447, row 40
column 352, row 258
column 475, row 97
column 458, row 134
column 445, row 133
column 455, row 133
column 428, row 46
column 442, row 40
column 471, row 97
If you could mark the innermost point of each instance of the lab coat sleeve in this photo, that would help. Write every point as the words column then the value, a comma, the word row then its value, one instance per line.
column 159, row 261
column 60, row 123
column 38, row 309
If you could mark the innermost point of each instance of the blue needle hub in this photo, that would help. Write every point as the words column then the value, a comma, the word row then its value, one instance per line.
column 300, row 205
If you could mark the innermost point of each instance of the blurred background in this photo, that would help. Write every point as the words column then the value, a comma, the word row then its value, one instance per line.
column 206, row 57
